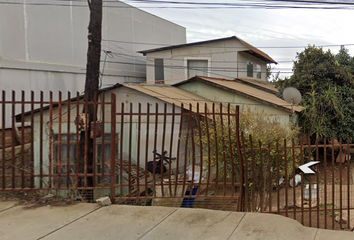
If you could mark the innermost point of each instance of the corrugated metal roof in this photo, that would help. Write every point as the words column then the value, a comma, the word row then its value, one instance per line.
column 252, row 50
column 177, row 96
column 247, row 91
column 267, row 86
column 166, row 93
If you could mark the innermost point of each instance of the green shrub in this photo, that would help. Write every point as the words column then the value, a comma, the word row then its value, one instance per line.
column 265, row 146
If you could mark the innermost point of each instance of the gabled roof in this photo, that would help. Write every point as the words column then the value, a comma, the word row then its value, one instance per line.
column 266, row 86
column 176, row 96
column 251, row 49
column 166, row 93
column 246, row 90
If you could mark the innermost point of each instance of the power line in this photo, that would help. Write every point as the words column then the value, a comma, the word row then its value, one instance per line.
column 211, row 70
column 204, row 5
column 211, row 46
column 260, row 2
column 271, row 4
column 116, row 53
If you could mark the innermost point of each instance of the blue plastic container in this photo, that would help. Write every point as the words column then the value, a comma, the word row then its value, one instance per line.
column 189, row 199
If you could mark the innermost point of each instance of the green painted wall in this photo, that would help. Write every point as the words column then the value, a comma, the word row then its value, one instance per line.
column 224, row 96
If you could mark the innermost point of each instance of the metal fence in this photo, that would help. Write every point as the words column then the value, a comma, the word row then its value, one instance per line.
column 168, row 155
column 322, row 200
column 177, row 147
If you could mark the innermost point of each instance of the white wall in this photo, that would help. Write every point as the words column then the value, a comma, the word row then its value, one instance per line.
column 44, row 47
column 242, row 59
column 54, row 38
column 127, row 140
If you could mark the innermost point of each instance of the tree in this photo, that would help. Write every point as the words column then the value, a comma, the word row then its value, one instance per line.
column 271, row 74
column 325, row 86
column 345, row 60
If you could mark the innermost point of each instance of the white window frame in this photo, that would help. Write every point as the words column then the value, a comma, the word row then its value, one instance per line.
column 258, row 67
column 196, row 58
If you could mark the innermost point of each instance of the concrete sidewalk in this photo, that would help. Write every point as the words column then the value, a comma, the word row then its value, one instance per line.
column 88, row 221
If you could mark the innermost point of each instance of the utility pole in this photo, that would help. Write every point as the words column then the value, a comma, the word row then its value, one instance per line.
column 91, row 92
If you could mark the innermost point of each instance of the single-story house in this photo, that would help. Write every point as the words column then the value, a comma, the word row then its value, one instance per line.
column 259, row 96
column 56, row 132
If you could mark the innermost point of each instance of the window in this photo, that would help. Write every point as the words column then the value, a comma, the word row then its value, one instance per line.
column 259, row 71
column 66, row 151
column 197, row 67
column 249, row 69
column 159, row 72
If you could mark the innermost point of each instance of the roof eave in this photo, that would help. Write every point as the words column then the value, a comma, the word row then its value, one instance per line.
column 196, row 78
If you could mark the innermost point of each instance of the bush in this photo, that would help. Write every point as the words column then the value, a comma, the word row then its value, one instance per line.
column 265, row 147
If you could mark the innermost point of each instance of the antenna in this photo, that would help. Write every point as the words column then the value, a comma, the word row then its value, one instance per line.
column 292, row 96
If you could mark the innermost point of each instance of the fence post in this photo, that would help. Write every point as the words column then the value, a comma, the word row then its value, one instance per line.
column 113, row 148
column 242, row 201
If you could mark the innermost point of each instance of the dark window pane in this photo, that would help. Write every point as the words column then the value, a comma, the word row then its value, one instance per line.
column 249, row 69
column 159, row 73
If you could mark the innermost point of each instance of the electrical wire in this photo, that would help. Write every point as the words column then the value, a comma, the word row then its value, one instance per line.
column 215, row 46
column 266, row 4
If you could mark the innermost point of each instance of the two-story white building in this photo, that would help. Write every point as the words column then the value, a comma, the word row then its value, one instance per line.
column 226, row 58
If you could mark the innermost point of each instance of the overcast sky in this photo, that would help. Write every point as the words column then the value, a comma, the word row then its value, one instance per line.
column 275, row 31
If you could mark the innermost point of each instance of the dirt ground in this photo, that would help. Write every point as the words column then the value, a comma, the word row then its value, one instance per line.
column 321, row 219
column 339, row 173
column 338, row 178
column 34, row 199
